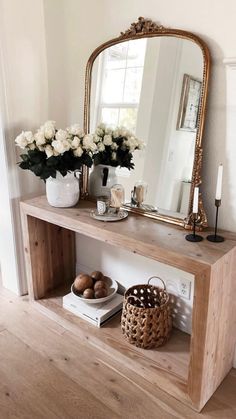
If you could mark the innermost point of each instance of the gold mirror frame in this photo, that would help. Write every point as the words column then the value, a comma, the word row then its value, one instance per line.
column 146, row 28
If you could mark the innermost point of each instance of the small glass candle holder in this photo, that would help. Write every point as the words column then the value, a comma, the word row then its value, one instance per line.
column 117, row 196
column 140, row 192
column 102, row 205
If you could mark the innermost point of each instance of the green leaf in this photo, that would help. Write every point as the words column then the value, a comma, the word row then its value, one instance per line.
column 63, row 172
column 36, row 156
column 87, row 160
column 24, row 165
column 47, row 172
column 24, row 157
column 37, row 169
column 52, row 161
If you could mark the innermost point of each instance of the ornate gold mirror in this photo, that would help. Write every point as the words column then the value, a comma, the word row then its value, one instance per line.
column 153, row 81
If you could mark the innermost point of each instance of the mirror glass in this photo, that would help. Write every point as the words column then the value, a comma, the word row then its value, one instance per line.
column 152, row 86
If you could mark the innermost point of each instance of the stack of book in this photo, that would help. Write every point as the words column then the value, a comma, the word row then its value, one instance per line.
column 97, row 314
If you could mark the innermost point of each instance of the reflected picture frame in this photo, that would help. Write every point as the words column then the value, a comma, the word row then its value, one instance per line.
column 189, row 104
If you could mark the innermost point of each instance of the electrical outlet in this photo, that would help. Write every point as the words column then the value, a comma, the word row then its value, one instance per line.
column 185, row 288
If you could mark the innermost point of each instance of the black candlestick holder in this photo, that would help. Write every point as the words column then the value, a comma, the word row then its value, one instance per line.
column 193, row 237
column 215, row 237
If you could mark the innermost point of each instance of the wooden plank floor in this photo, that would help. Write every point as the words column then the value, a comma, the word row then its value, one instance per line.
column 47, row 372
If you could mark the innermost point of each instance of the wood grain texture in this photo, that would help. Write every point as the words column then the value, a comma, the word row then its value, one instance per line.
column 49, row 373
column 190, row 375
column 38, row 392
column 197, row 350
column 164, row 367
column 220, row 339
column 50, row 255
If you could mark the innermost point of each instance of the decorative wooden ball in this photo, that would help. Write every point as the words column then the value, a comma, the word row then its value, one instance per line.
column 82, row 282
column 88, row 293
column 100, row 285
column 101, row 292
column 97, row 276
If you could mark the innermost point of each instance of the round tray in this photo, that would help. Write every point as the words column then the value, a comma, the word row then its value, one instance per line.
column 110, row 216
column 113, row 286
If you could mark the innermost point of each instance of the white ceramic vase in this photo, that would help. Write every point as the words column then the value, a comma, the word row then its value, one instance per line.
column 63, row 191
column 102, row 178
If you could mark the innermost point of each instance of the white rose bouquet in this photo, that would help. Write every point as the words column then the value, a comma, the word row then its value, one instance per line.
column 115, row 147
column 50, row 150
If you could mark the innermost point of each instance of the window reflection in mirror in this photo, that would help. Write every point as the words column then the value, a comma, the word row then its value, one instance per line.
column 152, row 86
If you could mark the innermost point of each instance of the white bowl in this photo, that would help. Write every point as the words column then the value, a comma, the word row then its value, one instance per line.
column 112, row 289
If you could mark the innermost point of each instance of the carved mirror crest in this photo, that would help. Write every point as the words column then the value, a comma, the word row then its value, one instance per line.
column 153, row 80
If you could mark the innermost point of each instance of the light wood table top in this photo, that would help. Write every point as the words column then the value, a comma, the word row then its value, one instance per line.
column 141, row 235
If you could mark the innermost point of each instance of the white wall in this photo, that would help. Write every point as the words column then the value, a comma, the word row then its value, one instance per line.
column 231, row 126
column 23, row 104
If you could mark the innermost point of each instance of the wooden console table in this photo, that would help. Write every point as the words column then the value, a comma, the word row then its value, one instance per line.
column 188, row 368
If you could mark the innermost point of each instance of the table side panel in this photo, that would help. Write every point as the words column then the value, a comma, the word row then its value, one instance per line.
column 221, row 325
column 198, row 337
column 50, row 251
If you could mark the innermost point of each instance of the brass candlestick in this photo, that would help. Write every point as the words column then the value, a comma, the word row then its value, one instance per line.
column 215, row 237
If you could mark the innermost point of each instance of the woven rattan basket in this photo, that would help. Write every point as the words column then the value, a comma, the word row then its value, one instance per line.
column 146, row 319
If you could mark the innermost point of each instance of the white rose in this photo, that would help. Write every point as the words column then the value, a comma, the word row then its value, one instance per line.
column 100, row 147
column 131, row 148
column 61, row 135
column 88, row 143
column 96, row 138
column 78, row 152
column 93, row 147
column 99, row 131
column 113, row 155
column 39, row 138
column 32, row 146
column 81, row 134
column 131, row 143
column 49, row 124
column 108, row 130
column 102, row 126
column 29, row 137
column 49, row 133
column 107, row 140
column 61, row 146
column 75, row 130
column 114, row 146
column 116, row 133
column 75, row 142
column 48, row 129
column 21, row 140
column 41, row 148
column 124, row 132
column 49, row 151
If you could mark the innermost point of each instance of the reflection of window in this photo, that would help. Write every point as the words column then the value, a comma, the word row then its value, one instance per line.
column 120, row 83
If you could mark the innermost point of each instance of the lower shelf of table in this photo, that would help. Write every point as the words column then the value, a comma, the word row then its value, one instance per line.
column 167, row 367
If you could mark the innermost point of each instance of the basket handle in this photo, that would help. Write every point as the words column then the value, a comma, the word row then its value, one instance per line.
column 157, row 277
